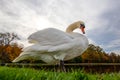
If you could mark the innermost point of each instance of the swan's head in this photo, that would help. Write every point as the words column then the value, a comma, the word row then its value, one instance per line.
column 82, row 27
column 73, row 26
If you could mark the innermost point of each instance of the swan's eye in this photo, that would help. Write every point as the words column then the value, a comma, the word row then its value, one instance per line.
column 82, row 25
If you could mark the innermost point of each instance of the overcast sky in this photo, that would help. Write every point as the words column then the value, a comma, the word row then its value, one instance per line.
column 101, row 17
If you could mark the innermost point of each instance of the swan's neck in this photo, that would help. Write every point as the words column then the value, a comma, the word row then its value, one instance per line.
column 71, row 28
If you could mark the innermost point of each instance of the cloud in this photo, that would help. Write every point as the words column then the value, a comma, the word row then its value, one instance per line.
column 107, row 34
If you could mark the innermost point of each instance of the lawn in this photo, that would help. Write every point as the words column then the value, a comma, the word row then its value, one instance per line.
column 8, row 73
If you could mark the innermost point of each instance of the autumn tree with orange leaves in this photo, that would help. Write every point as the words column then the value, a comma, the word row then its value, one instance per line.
column 7, row 51
column 94, row 54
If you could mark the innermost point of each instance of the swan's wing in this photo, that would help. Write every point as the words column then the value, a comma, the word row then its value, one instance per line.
column 37, row 48
column 49, row 36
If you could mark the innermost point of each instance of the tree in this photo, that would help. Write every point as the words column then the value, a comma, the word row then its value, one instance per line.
column 93, row 54
column 7, row 38
column 113, row 57
column 8, row 52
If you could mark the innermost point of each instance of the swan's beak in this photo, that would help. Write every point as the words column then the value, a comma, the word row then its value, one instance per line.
column 82, row 29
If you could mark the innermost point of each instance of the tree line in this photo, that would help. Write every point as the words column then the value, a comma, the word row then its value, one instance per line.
column 94, row 54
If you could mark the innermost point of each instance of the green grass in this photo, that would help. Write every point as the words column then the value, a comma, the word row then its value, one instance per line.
column 7, row 73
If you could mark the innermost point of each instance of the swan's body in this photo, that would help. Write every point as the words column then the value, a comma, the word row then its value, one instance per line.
column 52, row 45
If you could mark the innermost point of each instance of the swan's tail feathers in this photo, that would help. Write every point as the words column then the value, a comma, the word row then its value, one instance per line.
column 24, row 56
column 36, row 56
column 20, row 58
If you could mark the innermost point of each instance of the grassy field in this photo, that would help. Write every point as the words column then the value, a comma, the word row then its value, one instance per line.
column 7, row 73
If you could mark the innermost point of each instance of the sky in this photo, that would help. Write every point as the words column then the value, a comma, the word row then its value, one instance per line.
column 101, row 17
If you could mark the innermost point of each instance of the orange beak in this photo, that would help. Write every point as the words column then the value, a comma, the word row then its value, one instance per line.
column 82, row 29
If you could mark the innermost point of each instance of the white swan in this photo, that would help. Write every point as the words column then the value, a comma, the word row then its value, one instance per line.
column 52, row 45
